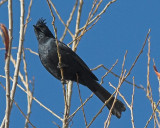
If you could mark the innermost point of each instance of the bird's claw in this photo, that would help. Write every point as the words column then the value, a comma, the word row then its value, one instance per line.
column 63, row 81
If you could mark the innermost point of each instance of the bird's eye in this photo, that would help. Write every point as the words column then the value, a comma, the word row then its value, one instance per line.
column 40, row 35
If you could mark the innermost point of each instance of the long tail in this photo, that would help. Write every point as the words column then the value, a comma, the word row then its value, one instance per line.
column 104, row 95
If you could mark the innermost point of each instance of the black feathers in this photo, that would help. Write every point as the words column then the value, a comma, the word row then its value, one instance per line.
column 74, row 68
column 42, row 28
column 41, row 22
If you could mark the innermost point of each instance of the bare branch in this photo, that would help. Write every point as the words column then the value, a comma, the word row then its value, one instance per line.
column 35, row 99
column 107, row 122
column 120, row 95
column 29, row 99
column 71, row 116
column 152, row 114
column 101, row 65
column 103, row 11
column 75, row 39
column 10, row 32
column 28, row 15
column 149, row 89
column 79, row 15
column 18, row 107
column 60, row 17
column 131, row 106
column 56, row 124
column 106, row 100
column 104, row 105
column 66, row 112
column 86, row 24
column 21, row 38
column 2, row 2
column 81, row 102
column 30, row 50
column 69, row 20
column 24, row 115
column 141, row 51
column 108, row 72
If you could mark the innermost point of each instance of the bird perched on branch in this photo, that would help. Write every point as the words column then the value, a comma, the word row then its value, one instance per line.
column 74, row 68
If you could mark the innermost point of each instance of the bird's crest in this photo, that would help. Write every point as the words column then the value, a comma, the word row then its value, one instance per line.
column 41, row 21
column 42, row 27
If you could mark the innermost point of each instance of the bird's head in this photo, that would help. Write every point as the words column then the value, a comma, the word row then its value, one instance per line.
column 41, row 30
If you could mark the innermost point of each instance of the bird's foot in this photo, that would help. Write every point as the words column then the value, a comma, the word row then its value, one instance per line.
column 63, row 81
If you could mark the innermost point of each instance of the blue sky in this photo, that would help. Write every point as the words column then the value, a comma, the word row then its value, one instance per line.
column 123, row 27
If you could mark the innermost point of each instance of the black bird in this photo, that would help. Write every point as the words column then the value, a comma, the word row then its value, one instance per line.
column 73, row 66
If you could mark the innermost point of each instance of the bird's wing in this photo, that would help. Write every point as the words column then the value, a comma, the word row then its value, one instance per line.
column 63, row 47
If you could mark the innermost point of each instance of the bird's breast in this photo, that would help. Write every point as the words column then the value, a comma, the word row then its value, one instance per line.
column 48, row 55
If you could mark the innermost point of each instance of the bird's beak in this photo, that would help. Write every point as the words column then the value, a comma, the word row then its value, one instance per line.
column 35, row 27
column 36, row 30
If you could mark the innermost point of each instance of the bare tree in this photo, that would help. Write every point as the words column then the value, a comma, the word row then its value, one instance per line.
column 94, row 15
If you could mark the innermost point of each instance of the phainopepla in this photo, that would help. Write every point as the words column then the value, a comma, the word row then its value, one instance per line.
column 73, row 66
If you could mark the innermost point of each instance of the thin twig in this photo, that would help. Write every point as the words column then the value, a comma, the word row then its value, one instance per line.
column 106, row 101
column 2, row 2
column 121, row 80
column 29, row 99
column 19, row 52
column 7, row 73
column 20, row 74
column 96, row 7
column 56, row 124
column 66, row 112
column 70, row 83
column 29, row 49
column 122, row 77
column 79, row 16
column 107, row 122
column 75, row 39
column 152, row 114
column 98, row 15
column 108, row 72
column 93, row 24
column 131, row 106
column 149, row 89
column 124, row 59
column 81, row 101
column 71, row 116
column 101, row 65
column 69, row 20
column 141, row 51
column 7, row 69
column 104, row 105
column 18, row 107
column 50, row 2
column 25, row 68
column 24, row 115
column 35, row 99
column 28, row 15
column 78, row 21
column 120, row 95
